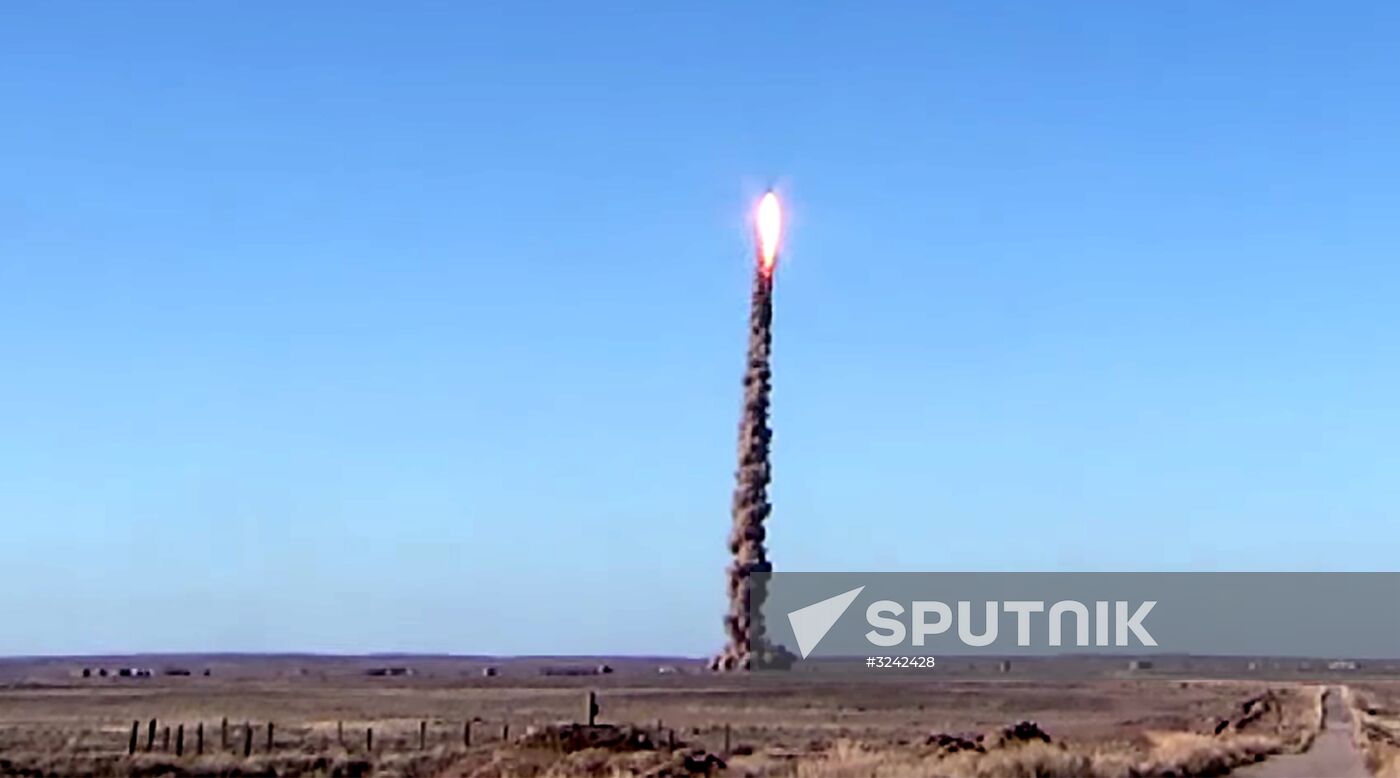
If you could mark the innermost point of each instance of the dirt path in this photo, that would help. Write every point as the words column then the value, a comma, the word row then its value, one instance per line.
column 1331, row 756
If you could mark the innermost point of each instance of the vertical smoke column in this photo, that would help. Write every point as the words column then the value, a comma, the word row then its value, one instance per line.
column 750, row 507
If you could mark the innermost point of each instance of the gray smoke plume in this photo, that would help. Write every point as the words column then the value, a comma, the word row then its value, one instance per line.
column 751, row 507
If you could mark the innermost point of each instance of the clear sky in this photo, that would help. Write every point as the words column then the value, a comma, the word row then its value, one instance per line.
column 418, row 326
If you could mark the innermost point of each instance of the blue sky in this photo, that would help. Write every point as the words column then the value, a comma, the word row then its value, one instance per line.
column 419, row 326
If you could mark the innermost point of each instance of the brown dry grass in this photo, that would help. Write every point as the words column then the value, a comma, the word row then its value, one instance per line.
column 1375, row 710
column 1174, row 753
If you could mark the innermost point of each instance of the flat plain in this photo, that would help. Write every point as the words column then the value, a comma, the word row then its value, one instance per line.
column 479, row 716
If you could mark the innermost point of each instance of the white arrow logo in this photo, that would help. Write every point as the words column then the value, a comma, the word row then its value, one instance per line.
column 810, row 624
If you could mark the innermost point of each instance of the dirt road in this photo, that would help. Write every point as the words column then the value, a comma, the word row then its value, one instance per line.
column 1332, row 754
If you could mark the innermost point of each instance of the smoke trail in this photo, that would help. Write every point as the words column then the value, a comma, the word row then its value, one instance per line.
column 750, row 506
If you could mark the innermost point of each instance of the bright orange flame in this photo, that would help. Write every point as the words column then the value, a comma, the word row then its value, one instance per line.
column 770, row 229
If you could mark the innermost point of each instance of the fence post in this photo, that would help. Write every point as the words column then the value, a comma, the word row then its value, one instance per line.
column 223, row 734
column 269, row 737
column 590, row 708
column 131, row 746
column 369, row 739
column 467, row 734
column 199, row 739
column 247, row 739
column 422, row 735
column 726, row 740
column 505, row 731
column 151, row 736
column 165, row 738
column 340, row 733
column 180, row 740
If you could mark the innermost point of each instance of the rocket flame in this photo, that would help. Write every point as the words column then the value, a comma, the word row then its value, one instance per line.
column 770, row 228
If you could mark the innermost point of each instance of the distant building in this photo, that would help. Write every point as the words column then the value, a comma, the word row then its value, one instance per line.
column 488, row 672
column 391, row 672
column 1342, row 664
column 576, row 671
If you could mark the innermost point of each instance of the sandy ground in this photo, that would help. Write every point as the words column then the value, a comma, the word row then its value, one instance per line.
column 1332, row 754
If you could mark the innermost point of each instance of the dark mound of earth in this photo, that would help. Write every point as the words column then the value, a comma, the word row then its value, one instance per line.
column 568, row 738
